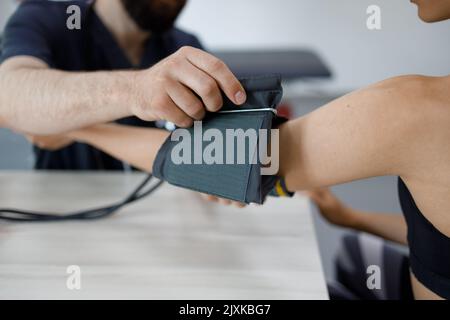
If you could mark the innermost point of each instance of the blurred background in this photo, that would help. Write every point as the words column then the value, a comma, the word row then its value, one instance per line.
column 336, row 32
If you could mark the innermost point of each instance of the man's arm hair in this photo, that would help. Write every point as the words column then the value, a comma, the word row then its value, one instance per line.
column 38, row 100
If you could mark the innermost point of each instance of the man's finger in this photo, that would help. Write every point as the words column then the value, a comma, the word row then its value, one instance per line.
column 202, row 84
column 186, row 100
column 170, row 112
column 217, row 69
column 209, row 197
column 225, row 202
column 240, row 205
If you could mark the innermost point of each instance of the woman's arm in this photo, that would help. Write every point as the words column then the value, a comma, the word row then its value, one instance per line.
column 387, row 226
column 380, row 130
column 137, row 146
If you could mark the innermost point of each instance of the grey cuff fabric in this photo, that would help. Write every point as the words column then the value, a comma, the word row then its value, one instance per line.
column 238, row 182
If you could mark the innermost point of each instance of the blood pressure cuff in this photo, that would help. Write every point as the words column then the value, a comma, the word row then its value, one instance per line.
column 234, row 181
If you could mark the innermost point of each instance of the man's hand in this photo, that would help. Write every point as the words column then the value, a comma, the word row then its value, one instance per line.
column 332, row 209
column 182, row 87
column 51, row 143
column 222, row 201
column 37, row 99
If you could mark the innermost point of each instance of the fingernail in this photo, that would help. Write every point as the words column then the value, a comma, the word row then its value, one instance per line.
column 240, row 97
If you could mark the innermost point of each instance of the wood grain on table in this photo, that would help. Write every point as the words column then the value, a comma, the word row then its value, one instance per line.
column 172, row 245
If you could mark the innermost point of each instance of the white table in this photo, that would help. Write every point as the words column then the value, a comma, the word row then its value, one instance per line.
column 172, row 245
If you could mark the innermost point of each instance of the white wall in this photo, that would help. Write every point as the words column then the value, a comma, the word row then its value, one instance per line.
column 335, row 28
column 6, row 7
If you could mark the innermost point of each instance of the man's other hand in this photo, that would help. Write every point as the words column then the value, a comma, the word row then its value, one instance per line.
column 222, row 201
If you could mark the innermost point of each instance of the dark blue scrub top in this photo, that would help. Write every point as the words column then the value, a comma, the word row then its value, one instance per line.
column 38, row 29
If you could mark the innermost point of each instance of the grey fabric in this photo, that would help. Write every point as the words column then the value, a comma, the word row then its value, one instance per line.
column 239, row 182
column 357, row 253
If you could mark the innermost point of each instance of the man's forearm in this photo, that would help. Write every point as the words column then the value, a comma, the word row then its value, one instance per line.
column 45, row 101
column 180, row 89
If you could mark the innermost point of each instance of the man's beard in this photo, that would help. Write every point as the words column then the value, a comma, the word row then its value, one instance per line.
column 156, row 16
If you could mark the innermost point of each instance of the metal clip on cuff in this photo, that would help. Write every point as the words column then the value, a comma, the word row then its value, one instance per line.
column 274, row 111
column 238, row 182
